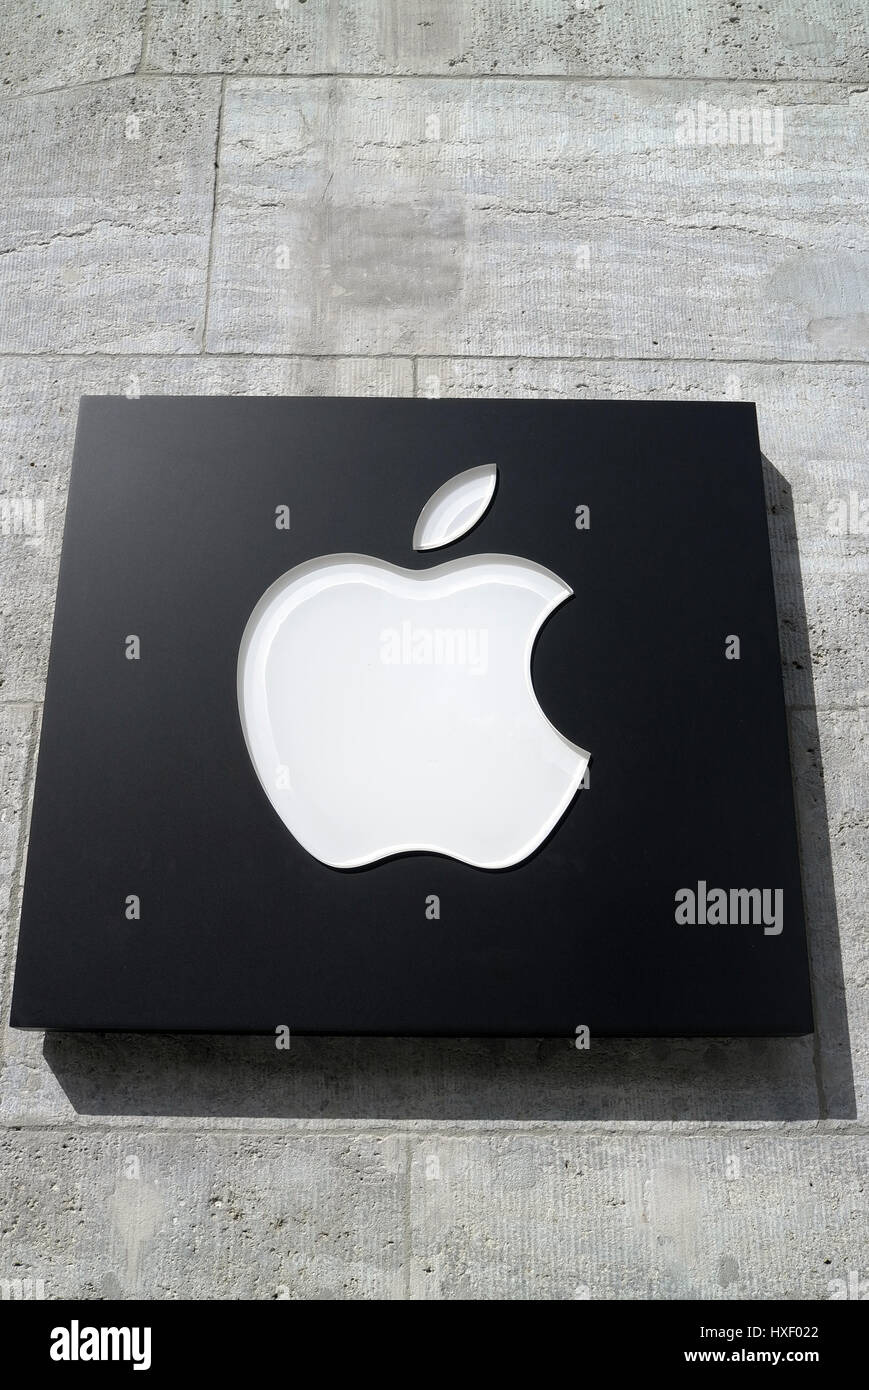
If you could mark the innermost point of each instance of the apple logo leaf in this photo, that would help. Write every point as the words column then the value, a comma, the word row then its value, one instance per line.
column 455, row 508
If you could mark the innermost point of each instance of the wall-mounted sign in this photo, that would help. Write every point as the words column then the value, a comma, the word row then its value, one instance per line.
column 414, row 717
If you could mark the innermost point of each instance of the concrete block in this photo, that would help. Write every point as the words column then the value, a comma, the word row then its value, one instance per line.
column 542, row 219
column 390, row 1082
column 831, row 758
column 18, row 733
column 38, row 407
column 569, row 37
column 106, row 217
column 171, row 1215
column 570, row 1216
column 285, row 36
column 55, row 44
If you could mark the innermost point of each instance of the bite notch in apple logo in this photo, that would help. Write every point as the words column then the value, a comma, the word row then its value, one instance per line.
column 388, row 710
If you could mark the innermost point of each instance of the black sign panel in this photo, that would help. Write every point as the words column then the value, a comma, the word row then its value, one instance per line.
column 659, row 892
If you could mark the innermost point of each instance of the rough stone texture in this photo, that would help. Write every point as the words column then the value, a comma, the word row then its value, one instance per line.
column 56, row 44
column 38, row 406
column 139, row 1214
column 570, row 37
column 106, row 216
column 832, row 771
column 407, row 1081
column 733, row 1217
column 540, row 219
column 18, row 734
column 490, row 220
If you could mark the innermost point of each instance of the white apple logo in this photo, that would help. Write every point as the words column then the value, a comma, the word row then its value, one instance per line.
column 389, row 710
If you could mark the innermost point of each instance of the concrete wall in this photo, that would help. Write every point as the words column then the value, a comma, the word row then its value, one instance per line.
column 476, row 199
